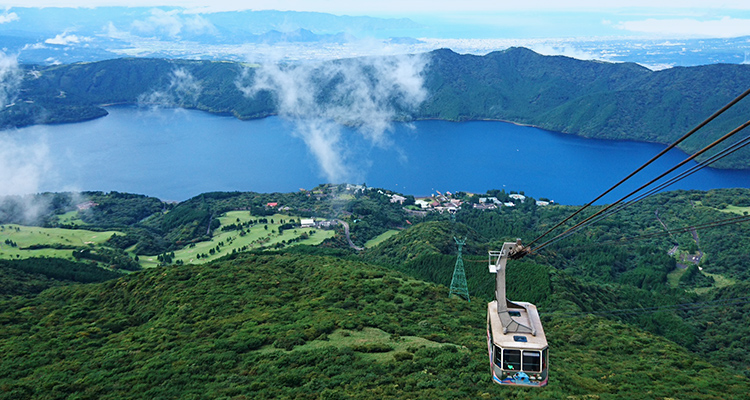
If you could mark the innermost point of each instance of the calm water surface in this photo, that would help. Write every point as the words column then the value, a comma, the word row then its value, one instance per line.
column 177, row 154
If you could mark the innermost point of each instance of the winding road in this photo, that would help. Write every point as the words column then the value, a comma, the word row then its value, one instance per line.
column 348, row 238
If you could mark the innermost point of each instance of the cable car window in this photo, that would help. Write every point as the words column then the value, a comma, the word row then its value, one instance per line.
column 512, row 359
column 517, row 338
column 498, row 354
column 514, row 313
column 532, row 361
column 544, row 359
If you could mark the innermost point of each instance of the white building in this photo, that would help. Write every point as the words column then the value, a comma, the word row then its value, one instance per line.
column 398, row 199
column 423, row 204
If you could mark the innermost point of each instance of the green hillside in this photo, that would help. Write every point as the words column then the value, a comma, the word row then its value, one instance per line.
column 222, row 221
column 31, row 276
column 625, row 318
column 587, row 98
column 285, row 326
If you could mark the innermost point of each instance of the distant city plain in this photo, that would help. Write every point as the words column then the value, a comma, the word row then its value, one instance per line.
column 176, row 154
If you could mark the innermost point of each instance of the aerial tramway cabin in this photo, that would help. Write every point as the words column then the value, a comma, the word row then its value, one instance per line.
column 515, row 337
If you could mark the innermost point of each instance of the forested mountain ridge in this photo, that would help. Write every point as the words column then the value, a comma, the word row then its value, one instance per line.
column 587, row 98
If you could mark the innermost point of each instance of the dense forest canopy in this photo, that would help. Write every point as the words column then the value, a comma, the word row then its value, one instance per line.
column 285, row 326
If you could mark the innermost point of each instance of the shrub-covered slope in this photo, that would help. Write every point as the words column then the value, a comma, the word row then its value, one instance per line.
column 278, row 326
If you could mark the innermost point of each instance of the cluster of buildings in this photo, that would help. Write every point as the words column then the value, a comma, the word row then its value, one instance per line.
column 439, row 203
column 446, row 202
column 312, row 223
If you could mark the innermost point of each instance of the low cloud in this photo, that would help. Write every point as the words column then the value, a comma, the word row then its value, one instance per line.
column 111, row 31
column 10, row 79
column 34, row 46
column 8, row 17
column 724, row 27
column 23, row 163
column 565, row 50
column 364, row 93
column 173, row 23
column 65, row 39
column 22, row 166
column 657, row 67
column 198, row 25
column 183, row 90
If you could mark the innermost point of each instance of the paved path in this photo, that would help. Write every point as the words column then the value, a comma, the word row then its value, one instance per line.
column 698, row 244
column 348, row 238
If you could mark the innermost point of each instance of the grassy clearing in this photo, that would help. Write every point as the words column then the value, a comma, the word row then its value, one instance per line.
column 25, row 236
column 673, row 278
column 381, row 238
column 736, row 210
column 70, row 218
column 257, row 236
column 355, row 339
column 720, row 281
column 729, row 209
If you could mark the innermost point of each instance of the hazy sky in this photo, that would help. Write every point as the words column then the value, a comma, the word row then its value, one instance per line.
column 408, row 6
column 474, row 18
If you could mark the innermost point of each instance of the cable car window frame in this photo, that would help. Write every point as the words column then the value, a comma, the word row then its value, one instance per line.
column 511, row 366
column 526, row 357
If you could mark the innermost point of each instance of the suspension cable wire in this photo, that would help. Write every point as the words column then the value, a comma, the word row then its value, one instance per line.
column 644, row 310
column 714, row 224
column 678, row 307
column 733, row 221
column 649, row 162
column 726, row 152
column 692, row 157
column 700, row 227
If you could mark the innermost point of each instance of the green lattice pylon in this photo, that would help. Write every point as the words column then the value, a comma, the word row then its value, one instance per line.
column 458, row 283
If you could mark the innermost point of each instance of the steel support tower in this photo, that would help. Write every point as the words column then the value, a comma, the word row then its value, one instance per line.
column 458, row 283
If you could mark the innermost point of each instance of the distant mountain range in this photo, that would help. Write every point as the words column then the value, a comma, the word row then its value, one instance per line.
column 586, row 98
column 55, row 35
column 178, row 22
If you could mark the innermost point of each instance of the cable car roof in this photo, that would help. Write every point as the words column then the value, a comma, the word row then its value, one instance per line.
column 528, row 316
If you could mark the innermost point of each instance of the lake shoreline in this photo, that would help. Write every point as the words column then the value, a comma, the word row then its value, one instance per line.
column 178, row 153
column 260, row 117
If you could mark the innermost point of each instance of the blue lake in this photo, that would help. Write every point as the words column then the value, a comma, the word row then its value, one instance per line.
column 177, row 154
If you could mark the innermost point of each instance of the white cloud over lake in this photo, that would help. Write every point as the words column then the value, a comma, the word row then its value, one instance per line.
column 361, row 93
